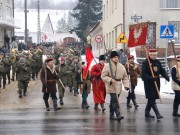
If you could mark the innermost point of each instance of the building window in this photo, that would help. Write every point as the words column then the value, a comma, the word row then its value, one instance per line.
column 107, row 41
column 112, row 39
column 1, row 34
column 104, row 12
column 110, row 46
column 106, row 8
column 176, row 31
column 169, row 4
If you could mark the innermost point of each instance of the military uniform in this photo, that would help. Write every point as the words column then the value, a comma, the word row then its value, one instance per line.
column 70, row 79
column 62, row 71
column 22, row 71
column 14, row 60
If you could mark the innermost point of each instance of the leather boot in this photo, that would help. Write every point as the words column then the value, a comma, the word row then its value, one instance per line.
column 55, row 105
column 158, row 115
column 117, row 111
column 175, row 110
column 83, row 104
column 75, row 92
column 147, row 111
column 96, row 107
column 47, row 105
column 102, row 107
column 86, row 104
column 135, row 103
column 128, row 103
column 61, row 101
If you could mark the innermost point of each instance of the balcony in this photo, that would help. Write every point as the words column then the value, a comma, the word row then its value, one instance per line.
column 8, row 21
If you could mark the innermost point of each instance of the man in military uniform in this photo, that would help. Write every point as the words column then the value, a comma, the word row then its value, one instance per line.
column 14, row 60
column 7, row 66
column 22, row 71
column 74, row 68
column 62, row 71
column 2, row 71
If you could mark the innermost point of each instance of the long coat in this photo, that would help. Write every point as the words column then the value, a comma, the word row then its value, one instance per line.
column 149, row 86
column 120, row 73
column 175, row 78
column 134, row 71
column 98, row 85
column 51, row 80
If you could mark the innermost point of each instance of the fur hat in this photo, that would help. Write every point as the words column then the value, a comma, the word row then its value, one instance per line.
column 113, row 54
column 101, row 57
column 49, row 59
column 130, row 57
column 153, row 52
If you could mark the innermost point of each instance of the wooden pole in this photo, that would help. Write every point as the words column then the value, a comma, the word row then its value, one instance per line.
column 155, row 83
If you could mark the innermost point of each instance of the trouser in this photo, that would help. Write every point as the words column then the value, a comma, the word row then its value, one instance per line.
column 131, row 94
column 33, row 72
column 8, row 75
column 3, row 77
column 46, row 96
column 13, row 72
column 22, row 85
column 177, row 96
column 114, row 105
column 61, row 91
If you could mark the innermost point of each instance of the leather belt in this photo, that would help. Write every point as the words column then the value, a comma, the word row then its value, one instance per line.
column 117, row 79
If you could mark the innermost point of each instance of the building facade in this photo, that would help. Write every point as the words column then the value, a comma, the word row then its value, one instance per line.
column 163, row 12
column 7, row 21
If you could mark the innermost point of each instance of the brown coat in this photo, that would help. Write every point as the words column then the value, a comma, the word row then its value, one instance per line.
column 134, row 71
column 120, row 74
column 51, row 80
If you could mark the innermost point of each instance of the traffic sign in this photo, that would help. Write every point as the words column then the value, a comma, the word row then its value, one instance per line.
column 98, row 38
column 122, row 38
column 167, row 31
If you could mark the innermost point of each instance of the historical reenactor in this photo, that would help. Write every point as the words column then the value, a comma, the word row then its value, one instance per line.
column 133, row 70
column 175, row 83
column 3, row 71
column 84, row 85
column 39, row 60
column 7, row 65
column 48, row 79
column 14, row 60
column 69, row 80
column 22, row 71
column 114, row 74
column 149, row 82
column 98, row 85
column 62, row 72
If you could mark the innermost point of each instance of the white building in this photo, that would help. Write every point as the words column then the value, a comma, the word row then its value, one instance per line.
column 163, row 12
column 7, row 21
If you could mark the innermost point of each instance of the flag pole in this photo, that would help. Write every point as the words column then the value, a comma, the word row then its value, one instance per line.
column 155, row 83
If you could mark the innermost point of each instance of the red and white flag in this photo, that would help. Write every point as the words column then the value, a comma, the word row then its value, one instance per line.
column 89, row 58
column 137, row 34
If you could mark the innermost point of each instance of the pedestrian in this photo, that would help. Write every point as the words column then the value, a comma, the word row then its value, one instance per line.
column 114, row 74
column 122, row 57
column 175, row 84
column 133, row 71
column 7, row 42
column 48, row 78
column 98, row 85
column 149, row 82
column 2, row 71
column 62, row 71
column 84, row 85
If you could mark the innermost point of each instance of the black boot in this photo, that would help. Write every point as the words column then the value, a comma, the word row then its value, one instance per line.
column 111, row 112
column 175, row 110
column 75, row 92
column 96, row 108
column 117, row 111
column 12, row 79
column 158, row 115
column 47, row 105
column 83, row 105
column 128, row 103
column 147, row 111
column 9, row 81
column 61, row 101
column 86, row 104
column 102, row 107
column 135, row 103
column 55, row 105
column 20, row 95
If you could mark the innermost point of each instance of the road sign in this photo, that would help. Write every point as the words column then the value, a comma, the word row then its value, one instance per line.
column 122, row 38
column 167, row 31
column 98, row 38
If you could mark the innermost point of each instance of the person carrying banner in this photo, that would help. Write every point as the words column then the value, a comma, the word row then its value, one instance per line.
column 149, row 85
column 114, row 74
column 99, row 91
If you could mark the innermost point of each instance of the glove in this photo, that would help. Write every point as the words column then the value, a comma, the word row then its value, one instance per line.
column 155, row 78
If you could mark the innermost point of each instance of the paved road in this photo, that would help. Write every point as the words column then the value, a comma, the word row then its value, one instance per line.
column 27, row 116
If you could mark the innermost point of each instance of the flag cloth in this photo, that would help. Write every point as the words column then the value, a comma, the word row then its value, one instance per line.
column 89, row 58
column 137, row 34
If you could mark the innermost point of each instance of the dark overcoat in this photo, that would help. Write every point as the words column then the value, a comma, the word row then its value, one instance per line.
column 149, row 86
column 51, row 80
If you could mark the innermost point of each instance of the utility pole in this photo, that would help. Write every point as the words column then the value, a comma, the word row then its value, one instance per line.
column 38, row 24
column 25, row 11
